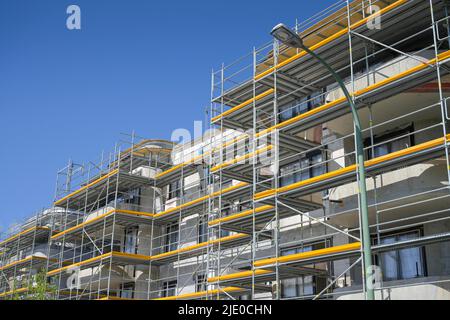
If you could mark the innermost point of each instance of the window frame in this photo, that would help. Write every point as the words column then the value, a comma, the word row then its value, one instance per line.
column 421, row 250
column 134, row 230
column 294, row 107
column 174, row 190
column 379, row 139
column 314, row 279
column 169, row 285
column 200, row 282
column 298, row 172
column 202, row 236
column 127, row 286
column 169, row 245
column 134, row 197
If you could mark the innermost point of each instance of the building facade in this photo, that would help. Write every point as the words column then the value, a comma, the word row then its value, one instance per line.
column 265, row 204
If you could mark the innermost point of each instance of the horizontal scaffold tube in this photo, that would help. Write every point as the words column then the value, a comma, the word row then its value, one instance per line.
column 202, row 294
column 241, row 158
column 202, row 156
column 23, row 233
column 179, row 166
column 242, row 214
column 145, row 258
column 199, row 246
column 99, row 218
column 25, row 260
column 441, row 57
column 115, row 298
column 12, row 292
column 93, row 183
column 108, row 255
column 288, row 258
column 308, row 254
column 335, row 36
column 244, row 104
column 200, row 200
column 367, row 164
column 240, row 275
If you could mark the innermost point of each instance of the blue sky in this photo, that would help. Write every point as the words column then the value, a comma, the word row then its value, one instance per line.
column 136, row 65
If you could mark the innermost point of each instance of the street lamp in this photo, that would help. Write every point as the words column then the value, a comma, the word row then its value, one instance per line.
column 292, row 39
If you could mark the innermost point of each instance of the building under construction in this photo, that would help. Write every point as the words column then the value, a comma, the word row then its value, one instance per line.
column 266, row 205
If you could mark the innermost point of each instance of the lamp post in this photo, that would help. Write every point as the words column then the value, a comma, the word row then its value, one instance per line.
column 293, row 40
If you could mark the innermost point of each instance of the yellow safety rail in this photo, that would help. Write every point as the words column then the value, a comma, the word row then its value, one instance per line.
column 12, row 292
column 202, row 293
column 201, row 199
column 93, row 183
column 441, row 57
column 241, row 158
column 240, row 215
column 143, row 142
column 116, row 298
column 240, row 275
column 27, row 231
column 367, row 164
column 326, row 41
column 243, row 104
column 15, row 263
column 199, row 246
column 194, row 159
column 308, row 254
column 150, row 258
column 179, row 166
column 103, row 216
column 112, row 254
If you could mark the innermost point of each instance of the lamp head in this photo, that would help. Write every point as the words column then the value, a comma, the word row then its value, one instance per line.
column 286, row 36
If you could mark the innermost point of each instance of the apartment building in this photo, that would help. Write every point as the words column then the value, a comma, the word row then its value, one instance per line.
column 24, row 253
column 265, row 205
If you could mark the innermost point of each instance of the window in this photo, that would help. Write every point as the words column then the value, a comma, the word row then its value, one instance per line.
column 403, row 263
column 293, row 109
column 303, row 285
column 201, row 284
column 127, row 290
column 302, row 169
column 301, row 106
column 133, row 197
column 202, row 231
column 130, row 242
column 171, row 239
column 225, row 212
column 316, row 100
column 169, row 288
column 107, row 246
column 175, row 189
column 290, row 173
column 224, row 233
column 395, row 141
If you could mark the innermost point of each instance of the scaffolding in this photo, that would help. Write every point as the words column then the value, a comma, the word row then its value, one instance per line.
column 103, row 240
column 127, row 231
column 296, row 150
column 265, row 204
column 24, row 255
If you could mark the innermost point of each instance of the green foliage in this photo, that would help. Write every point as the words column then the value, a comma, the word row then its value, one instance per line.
column 40, row 289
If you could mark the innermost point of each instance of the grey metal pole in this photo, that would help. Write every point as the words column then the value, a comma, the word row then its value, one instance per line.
column 366, row 243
